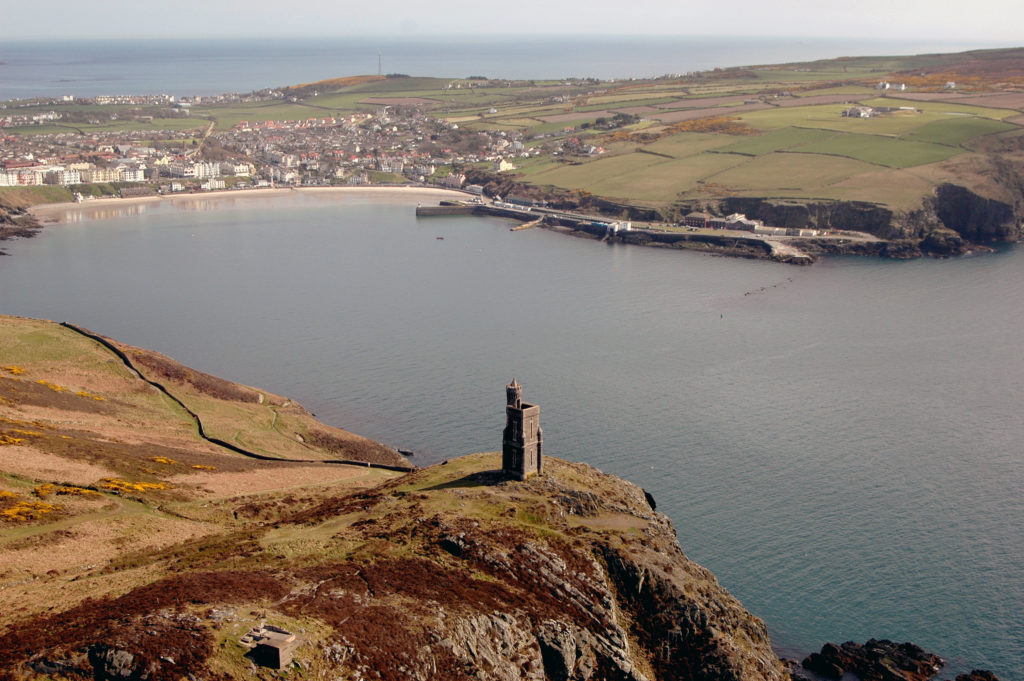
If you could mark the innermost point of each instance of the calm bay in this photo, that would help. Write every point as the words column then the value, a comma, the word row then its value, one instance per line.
column 839, row 444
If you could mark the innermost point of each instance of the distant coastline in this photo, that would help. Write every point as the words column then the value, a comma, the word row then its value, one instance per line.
column 37, row 68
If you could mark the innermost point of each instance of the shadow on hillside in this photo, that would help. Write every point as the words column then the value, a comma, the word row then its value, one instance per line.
column 478, row 479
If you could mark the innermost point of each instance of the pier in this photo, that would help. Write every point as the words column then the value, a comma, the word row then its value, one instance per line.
column 445, row 208
column 726, row 243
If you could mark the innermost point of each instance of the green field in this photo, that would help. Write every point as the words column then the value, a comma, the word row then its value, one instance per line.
column 885, row 151
column 642, row 177
column 783, row 138
column 896, row 188
column 954, row 131
column 788, row 171
column 861, row 90
column 531, row 167
column 687, row 144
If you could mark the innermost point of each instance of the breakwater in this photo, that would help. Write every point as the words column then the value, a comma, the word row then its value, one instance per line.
column 730, row 244
column 444, row 209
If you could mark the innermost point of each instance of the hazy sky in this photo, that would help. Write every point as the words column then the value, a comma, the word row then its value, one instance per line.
column 981, row 21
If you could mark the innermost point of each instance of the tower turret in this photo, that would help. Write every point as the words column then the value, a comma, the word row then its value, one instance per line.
column 514, row 393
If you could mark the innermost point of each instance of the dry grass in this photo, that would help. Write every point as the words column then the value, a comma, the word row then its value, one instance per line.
column 276, row 478
column 92, row 539
column 30, row 462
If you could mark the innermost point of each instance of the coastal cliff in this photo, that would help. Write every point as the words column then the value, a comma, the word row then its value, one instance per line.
column 15, row 220
column 133, row 548
column 953, row 220
column 948, row 223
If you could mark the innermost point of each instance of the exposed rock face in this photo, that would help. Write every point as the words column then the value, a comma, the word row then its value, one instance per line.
column 899, row 249
column 16, row 221
column 115, row 665
column 975, row 218
column 498, row 642
column 855, row 215
column 875, row 661
column 944, row 225
column 571, row 627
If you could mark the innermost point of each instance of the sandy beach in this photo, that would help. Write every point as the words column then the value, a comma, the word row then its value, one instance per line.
column 98, row 209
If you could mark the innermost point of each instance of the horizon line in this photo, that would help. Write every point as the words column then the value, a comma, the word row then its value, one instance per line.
column 483, row 35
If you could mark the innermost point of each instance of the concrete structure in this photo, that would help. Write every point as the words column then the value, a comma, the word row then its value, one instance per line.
column 274, row 648
column 522, row 440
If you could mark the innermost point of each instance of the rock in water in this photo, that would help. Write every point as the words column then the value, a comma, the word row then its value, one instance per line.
column 876, row 660
column 978, row 675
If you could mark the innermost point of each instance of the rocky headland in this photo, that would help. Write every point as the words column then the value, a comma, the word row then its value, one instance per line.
column 135, row 547
column 953, row 220
column 16, row 220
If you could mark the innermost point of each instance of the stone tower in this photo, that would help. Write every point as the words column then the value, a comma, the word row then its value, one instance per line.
column 522, row 439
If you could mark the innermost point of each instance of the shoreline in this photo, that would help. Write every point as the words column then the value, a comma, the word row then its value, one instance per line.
column 56, row 213
column 798, row 251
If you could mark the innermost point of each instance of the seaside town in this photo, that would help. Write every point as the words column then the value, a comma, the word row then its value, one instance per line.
column 392, row 144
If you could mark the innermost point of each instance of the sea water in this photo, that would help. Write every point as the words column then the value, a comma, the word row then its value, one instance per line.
column 86, row 68
column 840, row 444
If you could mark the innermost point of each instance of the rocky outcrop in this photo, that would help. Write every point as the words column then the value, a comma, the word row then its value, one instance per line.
column 685, row 639
column 898, row 249
column 876, row 660
column 952, row 222
column 849, row 215
column 619, row 210
column 978, row 675
column 945, row 224
column 975, row 218
column 623, row 608
column 113, row 664
column 16, row 222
